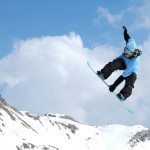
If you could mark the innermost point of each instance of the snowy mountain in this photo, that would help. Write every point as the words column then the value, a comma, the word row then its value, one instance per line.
column 25, row 131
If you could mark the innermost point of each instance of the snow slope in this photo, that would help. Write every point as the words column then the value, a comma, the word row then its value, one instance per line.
column 25, row 131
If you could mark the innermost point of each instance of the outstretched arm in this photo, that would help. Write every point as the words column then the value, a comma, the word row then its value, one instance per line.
column 126, row 35
column 116, row 83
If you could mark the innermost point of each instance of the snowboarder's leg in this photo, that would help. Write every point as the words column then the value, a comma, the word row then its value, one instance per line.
column 111, row 67
column 129, row 85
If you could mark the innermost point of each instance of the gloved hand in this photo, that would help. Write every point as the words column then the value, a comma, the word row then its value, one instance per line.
column 137, row 53
column 124, row 28
column 116, row 83
column 112, row 87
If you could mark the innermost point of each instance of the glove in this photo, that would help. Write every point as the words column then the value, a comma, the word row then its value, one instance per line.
column 137, row 53
column 116, row 83
column 124, row 28
column 112, row 87
column 126, row 35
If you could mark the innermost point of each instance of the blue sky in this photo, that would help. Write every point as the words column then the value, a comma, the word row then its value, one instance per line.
column 44, row 46
column 25, row 19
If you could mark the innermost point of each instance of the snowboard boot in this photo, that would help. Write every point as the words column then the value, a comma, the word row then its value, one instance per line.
column 120, row 96
column 99, row 73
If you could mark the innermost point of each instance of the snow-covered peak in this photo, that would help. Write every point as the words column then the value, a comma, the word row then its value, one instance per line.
column 25, row 131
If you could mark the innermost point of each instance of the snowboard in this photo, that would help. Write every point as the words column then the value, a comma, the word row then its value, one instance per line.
column 125, row 106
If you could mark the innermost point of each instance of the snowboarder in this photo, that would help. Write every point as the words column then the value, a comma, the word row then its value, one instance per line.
column 127, row 61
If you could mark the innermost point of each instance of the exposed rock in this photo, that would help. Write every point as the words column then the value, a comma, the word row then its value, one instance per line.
column 140, row 137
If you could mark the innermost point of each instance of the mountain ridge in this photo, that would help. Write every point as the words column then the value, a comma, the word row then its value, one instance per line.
column 20, row 130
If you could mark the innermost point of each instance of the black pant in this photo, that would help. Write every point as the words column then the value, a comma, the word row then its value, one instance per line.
column 119, row 64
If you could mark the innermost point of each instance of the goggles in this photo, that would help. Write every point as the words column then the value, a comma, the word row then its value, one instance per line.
column 128, row 51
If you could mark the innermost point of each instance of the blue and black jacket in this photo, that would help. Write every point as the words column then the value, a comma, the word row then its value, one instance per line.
column 130, row 63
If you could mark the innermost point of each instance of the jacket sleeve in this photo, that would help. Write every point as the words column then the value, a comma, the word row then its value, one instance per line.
column 126, row 35
column 118, row 81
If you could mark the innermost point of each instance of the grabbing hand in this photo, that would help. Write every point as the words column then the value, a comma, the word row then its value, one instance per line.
column 112, row 88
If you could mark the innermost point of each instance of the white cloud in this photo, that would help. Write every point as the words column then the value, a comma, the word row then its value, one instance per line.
column 104, row 14
column 141, row 14
column 46, row 74
column 49, row 74
column 136, row 15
